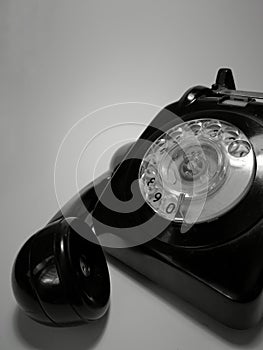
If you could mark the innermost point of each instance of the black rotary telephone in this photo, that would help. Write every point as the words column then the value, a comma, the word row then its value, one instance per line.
column 182, row 205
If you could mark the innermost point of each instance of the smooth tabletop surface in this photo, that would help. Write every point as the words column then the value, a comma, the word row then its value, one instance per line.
column 61, row 60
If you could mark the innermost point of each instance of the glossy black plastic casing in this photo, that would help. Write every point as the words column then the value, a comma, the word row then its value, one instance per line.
column 47, row 279
column 218, row 265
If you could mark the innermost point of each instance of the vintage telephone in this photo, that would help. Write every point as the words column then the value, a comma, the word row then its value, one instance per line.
column 183, row 205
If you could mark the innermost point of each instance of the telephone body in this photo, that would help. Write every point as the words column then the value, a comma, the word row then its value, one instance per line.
column 217, row 265
column 182, row 205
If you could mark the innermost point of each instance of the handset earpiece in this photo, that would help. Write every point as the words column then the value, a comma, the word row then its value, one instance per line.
column 60, row 278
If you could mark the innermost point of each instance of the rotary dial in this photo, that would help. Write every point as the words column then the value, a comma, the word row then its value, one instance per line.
column 196, row 171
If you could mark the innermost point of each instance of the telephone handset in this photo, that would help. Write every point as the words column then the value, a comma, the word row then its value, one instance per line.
column 182, row 205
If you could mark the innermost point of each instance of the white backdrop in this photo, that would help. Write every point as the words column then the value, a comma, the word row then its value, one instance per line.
column 62, row 59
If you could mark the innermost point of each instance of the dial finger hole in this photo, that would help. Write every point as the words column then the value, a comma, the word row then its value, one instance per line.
column 239, row 148
column 170, row 207
column 230, row 135
column 212, row 129
column 155, row 199
column 176, row 135
column 195, row 127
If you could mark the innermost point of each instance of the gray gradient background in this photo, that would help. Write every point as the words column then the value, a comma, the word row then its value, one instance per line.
column 61, row 59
